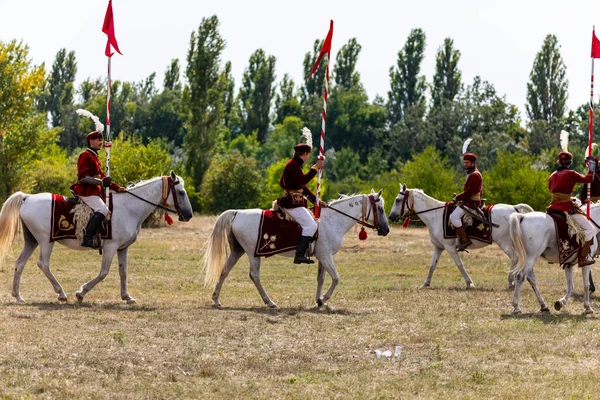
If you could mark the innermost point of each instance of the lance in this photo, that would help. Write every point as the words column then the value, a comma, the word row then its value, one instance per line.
column 325, row 50
column 108, row 27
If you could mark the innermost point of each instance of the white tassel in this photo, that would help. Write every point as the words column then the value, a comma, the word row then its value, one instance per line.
column 465, row 145
column 564, row 141
column 97, row 123
column 307, row 135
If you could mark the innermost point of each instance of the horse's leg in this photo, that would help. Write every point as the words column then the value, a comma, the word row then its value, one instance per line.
column 320, row 281
column 450, row 249
column 508, row 249
column 329, row 266
column 592, row 286
column 565, row 299
column 437, row 252
column 255, row 276
column 586, row 289
column 519, row 279
column 44, row 264
column 234, row 256
column 108, row 253
column 532, row 281
column 122, row 257
column 28, row 248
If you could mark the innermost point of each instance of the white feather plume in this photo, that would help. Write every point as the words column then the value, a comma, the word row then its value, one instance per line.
column 564, row 141
column 466, row 145
column 307, row 135
column 586, row 150
column 97, row 123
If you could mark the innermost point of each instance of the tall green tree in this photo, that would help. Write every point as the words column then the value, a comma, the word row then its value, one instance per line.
column 172, row 75
column 311, row 91
column 344, row 70
column 256, row 92
column 286, row 100
column 547, row 87
column 447, row 77
column 203, row 96
column 407, row 86
column 230, row 120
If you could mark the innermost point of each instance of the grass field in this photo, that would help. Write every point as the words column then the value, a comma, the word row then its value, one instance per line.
column 172, row 344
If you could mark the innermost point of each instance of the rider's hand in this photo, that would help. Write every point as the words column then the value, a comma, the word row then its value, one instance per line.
column 121, row 190
column 319, row 164
column 106, row 181
column 322, row 204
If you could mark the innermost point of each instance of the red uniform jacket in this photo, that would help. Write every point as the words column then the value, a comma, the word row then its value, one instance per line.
column 563, row 181
column 472, row 187
column 293, row 179
column 88, row 164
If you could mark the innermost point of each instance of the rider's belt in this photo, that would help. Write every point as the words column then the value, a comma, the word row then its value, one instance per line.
column 476, row 197
column 595, row 198
column 297, row 195
column 560, row 198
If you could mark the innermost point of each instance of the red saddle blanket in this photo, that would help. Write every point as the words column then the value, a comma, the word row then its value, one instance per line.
column 61, row 220
column 567, row 245
column 478, row 231
column 276, row 234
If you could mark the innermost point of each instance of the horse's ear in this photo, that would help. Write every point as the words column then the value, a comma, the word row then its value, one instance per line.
column 404, row 188
column 173, row 176
column 372, row 191
column 379, row 194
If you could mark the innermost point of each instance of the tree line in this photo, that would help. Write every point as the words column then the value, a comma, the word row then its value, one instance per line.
column 231, row 143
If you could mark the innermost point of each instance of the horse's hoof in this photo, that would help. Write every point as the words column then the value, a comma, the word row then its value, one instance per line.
column 545, row 310
column 320, row 302
column 131, row 301
column 79, row 296
column 62, row 297
column 272, row 305
column 424, row 286
column 558, row 305
column 20, row 300
column 589, row 310
column 516, row 311
column 216, row 305
column 470, row 285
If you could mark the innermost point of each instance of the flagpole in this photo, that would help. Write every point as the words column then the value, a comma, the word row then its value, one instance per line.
column 107, row 139
column 322, row 142
column 591, row 134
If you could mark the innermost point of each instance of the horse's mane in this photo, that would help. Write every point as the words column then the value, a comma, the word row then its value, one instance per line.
column 142, row 182
column 341, row 198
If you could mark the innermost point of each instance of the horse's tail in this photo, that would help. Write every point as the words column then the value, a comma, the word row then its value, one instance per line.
column 516, row 236
column 215, row 253
column 9, row 222
column 523, row 208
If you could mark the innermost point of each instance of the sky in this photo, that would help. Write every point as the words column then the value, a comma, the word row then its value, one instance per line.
column 498, row 40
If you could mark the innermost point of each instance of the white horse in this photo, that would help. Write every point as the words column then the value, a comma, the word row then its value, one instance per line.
column 431, row 212
column 534, row 236
column 130, row 209
column 239, row 229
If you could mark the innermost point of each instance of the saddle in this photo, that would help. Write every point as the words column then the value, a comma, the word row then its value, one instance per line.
column 569, row 236
column 69, row 217
column 475, row 229
column 279, row 233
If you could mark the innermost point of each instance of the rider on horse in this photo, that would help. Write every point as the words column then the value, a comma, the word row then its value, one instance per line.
column 561, row 184
column 470, row 197
column 90, row 181
column 594, row 189
column 293, row 182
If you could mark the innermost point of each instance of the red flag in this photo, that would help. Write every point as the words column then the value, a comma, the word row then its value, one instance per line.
column 595, row 46
column 325, row 49
column 109, row 28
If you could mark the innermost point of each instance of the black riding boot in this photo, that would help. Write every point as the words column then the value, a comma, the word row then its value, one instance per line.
column 90, row 230
column 301, row 251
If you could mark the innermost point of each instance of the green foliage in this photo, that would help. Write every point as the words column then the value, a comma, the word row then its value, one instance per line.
column 433, row 173
column 344, row 70
column 447, row 77
column 547, row 87
column 515, row 179
column 256, row 93
column 286, row 101
column 233, row 181
column 280, row 143
column 53, row 172
column 132, row 161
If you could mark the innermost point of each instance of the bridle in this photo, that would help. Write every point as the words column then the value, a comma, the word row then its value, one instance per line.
column 365, row 215
column 168, row 186
column 410, row 208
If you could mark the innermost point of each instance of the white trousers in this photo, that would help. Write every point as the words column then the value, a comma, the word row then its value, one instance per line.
column 305, row 219
column 455, row 217
column 586, row 225
column 95, row 203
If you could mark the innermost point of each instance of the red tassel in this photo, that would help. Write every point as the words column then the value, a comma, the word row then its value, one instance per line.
column 168, row 219
column 406, row 222
column 362, row 235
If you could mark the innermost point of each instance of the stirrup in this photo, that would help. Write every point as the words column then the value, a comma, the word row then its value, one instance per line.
column 584, row 261
column 303, row 260
column 462, row 246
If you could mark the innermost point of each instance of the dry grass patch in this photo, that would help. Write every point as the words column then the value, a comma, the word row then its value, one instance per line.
column 456, row 343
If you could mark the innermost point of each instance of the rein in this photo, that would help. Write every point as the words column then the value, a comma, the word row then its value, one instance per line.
column 170, row 187
column 411, row 212
column 362, row 221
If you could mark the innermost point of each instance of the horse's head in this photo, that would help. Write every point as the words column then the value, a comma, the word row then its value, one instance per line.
column 379, row 218
column 400, row 207
column 179, row 199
